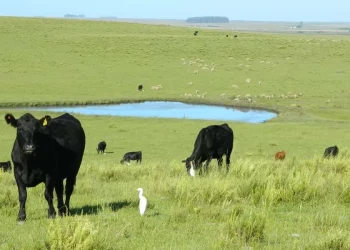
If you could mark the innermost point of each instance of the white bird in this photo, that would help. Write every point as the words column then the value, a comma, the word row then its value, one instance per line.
column 192, row 173
column 143, row 201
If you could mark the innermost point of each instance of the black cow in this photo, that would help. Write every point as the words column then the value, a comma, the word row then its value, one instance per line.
column 6, row 166
column 212, row 143
column 331, row 151
column 195, row 33
column 226, row 35
column 132, row 156
column 235, row 36
column 49, row 152
column 101, row 147
column 140, row 87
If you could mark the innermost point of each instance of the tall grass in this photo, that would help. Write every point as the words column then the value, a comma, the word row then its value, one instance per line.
column 243, row 208
column 71, row 233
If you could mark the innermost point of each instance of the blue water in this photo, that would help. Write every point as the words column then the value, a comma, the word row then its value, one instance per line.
column 169, row 110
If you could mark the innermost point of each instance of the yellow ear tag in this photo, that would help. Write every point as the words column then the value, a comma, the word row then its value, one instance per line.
column 45, row 122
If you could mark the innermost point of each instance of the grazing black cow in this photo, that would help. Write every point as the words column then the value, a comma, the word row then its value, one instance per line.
column 6, row 166
column 101, row 147
column 49, row 152
column 226, row 35
column 235, row 36
column 195, row 33
column 331, row 151
column 212, row 143
column 140, row 87
column 132, row 156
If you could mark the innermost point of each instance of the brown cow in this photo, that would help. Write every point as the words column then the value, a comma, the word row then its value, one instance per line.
column 280, row 155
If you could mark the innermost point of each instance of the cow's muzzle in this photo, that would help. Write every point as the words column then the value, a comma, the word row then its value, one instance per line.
column 29, row 149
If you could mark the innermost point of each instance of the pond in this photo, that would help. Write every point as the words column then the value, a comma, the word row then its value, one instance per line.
column 163, row 109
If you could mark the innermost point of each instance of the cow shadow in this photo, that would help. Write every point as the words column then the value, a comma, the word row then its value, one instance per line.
column 95, row 209
column 110, row 152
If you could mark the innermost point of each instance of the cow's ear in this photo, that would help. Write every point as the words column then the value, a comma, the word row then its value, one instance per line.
column 45, row 120
column 10, row 119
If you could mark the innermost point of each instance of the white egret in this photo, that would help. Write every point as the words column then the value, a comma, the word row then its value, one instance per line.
column 192, row 173
column 143, row 201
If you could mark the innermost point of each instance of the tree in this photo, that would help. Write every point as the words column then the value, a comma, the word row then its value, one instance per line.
column 300, row 25
column 208, row 19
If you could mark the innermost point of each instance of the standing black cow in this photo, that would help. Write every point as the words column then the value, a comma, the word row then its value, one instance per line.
column 212, row 143
column 132, row 156
column 331, row 151
column 6, row 166
column 101, row 147
column 49, row 152
column 140, row 87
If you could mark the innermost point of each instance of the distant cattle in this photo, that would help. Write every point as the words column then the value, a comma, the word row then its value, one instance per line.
column 134, row 156
column 47, row 151
column 280, row 155
column 226, row 35
column 235, row 36
column 331, row 151
column 140, row 87
column 195, row 33
column 101, row 147
column 6, row 166
column 212, row 143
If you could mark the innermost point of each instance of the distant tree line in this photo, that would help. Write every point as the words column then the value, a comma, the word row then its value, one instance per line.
column 208, row 19
column 74, row 16
column 108, row 17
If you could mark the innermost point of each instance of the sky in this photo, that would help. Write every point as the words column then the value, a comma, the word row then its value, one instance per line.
column 250, row 10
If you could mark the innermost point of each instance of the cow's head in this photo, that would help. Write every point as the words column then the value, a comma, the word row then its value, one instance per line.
column 28, row 129
column 188, row 163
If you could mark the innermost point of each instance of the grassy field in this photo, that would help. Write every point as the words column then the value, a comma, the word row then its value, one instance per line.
column 301, row 203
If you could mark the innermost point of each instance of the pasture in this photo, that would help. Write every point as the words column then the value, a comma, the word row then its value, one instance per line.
column 300, row 203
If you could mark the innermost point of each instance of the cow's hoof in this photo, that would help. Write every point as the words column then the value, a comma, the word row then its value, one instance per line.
column 62, row 211
column 21, row 218
column 51, row 215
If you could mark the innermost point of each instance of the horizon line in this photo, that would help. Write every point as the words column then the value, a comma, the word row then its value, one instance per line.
column 170, row 19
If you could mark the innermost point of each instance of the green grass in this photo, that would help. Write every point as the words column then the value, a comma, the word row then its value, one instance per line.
column 301, row 203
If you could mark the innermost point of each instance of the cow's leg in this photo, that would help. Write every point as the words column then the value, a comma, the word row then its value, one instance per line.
column 228, row 161
column 206, row 165
column 70, row 182
column 200, row 170
column 59, row 193
column 220, row 163
column 49, row 186
column 22, row 196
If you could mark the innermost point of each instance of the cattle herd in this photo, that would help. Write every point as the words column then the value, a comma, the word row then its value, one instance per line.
column 50, row 150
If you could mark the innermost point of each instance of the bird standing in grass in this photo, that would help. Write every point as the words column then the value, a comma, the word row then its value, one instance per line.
column 143, row 202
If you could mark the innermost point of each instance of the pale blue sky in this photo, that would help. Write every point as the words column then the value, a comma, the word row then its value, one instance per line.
column 260, row 10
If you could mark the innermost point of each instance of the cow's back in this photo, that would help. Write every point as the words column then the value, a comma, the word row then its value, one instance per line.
column 219, row 136
column 214, row 138
column 68, row 132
